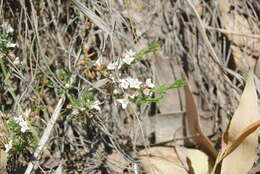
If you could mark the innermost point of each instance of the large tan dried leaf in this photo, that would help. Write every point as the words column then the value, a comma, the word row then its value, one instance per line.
column 164, row 160
column 199, row 161
column 3, row 162
column 161, row 160
column 116, row 162
column 240, row 138
column 242, row 158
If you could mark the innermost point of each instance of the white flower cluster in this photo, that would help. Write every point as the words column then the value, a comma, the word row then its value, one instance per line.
column 133, row 83
column 24, row 126
column 128, row 82
column 10, row 45
column 128, row 58
column 7, row 27
column 149, row 85
column 115, row 65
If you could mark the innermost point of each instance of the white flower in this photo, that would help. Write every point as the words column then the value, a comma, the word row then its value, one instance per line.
column 115, row 91
column 128, row 60
column 123, row 83
column 149, row 83
column 7, row 27
column 17, row 61
column 129, row 53
column 8, row 146
column 67, row 86
column 129, row 57
column 10, row 45
column 115, row 65
column 119, row 63
column 19, row 120
column 129, row 82
column 82, row 109
column 24, row 126
column 133, row 83
column 124, row 102
column 95, row 106
column 111, row 66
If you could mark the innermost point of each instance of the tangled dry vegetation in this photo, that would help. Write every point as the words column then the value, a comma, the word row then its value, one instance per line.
column 212, row 44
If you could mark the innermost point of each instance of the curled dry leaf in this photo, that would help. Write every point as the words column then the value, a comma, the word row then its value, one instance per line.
column 246, row 114
column 164, row 160
column 194, row 127
column 240, row 138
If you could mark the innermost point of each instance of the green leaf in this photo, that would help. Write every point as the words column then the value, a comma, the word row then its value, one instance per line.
column 152, row 47
column 176, row 84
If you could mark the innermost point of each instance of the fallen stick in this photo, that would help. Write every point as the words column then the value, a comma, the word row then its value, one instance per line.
column 45, row 136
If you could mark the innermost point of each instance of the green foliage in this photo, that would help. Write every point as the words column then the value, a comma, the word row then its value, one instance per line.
column 3, row 51
column 80, row 107
column 163, row 89
column 148, row 100
column 21, row 140
column 152, row 48
column 3, row 42
column 13, row 126
column 160, row 91
column 84, row 102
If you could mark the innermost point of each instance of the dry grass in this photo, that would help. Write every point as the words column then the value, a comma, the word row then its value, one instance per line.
column 55, row 38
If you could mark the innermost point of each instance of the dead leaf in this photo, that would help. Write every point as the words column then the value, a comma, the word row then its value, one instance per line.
column 116, row 162
column 101, row 83
column 194, row 125
column 52, row 163
column 246, row 114
column 161, row 160
column 181, row 152
column 164, row 160
column 199, row 161
column 3, row 162
column 240, row 138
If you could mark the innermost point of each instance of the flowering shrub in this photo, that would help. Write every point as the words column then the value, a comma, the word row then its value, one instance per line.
column 17, row 135
column 112, row 77
column 126, row 90
column 22, row 123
